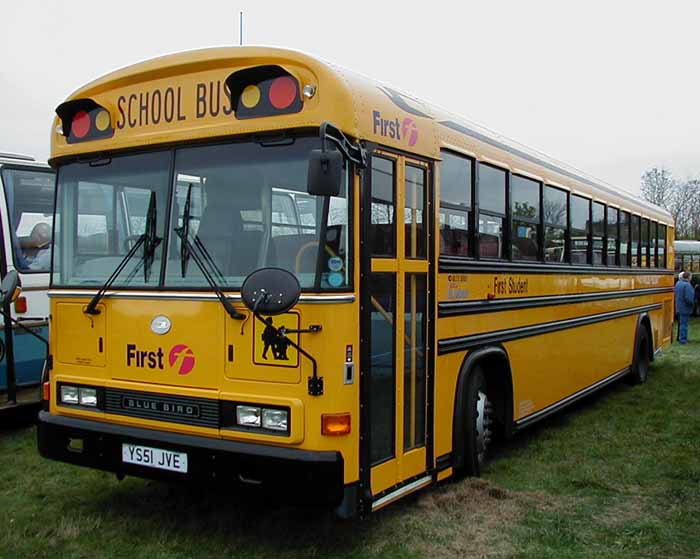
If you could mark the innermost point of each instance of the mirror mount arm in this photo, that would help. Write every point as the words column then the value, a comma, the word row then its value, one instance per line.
column 315, row 383
column 354, row 152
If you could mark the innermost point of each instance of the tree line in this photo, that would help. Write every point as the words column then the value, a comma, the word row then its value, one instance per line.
column 680, row 198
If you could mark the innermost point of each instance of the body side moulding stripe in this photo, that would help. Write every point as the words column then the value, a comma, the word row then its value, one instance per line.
column 455, row 265
column 458, row 308
column 461, row 343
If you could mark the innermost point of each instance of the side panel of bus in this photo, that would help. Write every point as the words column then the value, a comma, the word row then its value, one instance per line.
column 19, row 384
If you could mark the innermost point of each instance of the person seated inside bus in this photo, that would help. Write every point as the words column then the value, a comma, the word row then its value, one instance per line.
column 36, row 249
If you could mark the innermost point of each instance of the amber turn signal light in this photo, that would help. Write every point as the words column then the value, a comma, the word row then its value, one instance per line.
column 46, row 391
column 335, row 424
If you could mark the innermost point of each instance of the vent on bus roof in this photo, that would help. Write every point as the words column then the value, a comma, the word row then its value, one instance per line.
column 263, row 91
column 9, row 155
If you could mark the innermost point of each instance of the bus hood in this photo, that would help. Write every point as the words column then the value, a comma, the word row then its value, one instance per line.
column 185, row 342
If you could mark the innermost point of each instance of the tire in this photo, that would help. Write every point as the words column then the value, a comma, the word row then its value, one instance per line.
column 478, row 421
column 640, row 365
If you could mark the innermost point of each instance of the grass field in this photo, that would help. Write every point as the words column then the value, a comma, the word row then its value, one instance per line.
column 618, row 475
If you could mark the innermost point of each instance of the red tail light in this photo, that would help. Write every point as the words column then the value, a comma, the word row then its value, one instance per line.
column 21, row 305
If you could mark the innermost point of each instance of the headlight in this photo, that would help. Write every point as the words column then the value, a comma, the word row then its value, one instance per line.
column 248, row 416
column 69, row 394
column 277, row 420
column 88, row 397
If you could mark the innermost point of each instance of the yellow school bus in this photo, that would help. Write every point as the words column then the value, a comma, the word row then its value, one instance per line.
column 271, row 271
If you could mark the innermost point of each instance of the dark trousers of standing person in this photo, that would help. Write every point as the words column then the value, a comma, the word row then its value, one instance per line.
column 683, row 328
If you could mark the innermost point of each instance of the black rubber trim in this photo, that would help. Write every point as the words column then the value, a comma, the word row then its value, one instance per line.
column 250, row 449
column 456, row 264
column 459, row 308
column 459, row 420
column 443, row 462
column 461, row 343
column 537, row 416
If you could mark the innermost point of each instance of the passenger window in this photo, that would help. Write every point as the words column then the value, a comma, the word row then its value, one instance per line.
column 598, row 232
column 414, row 212
column 624, row 238
column 612, row 252
column 555, row 219
column 636, row 240
column 645, row 243
column 653, row 249
column 29, row 196
column 662, row 246
column 492, row 210
column 525, row 211
column 382, row 238
column 580, row 229
column 455, row 204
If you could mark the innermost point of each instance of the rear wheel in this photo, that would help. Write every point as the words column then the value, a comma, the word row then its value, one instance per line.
column 640, row 364
column 479, row 419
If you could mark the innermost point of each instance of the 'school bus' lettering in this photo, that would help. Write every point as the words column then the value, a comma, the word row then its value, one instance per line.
column 168, row 105
column 428, row 256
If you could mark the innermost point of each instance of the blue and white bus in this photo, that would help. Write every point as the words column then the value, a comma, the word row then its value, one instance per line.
column 26, row 224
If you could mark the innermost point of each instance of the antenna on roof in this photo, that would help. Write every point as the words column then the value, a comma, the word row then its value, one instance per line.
column 240, row 28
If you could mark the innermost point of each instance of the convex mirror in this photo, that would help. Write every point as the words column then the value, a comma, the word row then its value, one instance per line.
column 270, row 291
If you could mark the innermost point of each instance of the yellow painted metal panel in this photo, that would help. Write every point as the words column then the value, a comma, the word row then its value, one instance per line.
column 80, row 337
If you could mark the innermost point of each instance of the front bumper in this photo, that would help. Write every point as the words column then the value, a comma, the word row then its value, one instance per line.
column 303, row 476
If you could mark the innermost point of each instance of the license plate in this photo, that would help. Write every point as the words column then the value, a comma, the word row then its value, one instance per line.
column 155, row 458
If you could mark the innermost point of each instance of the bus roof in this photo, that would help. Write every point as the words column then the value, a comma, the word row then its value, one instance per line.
column 686, row 247
column 16, row 156
column 181, row 97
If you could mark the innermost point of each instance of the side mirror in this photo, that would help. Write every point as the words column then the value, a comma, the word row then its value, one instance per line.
column 10, row 288
column 325, row 173
column 270, row 291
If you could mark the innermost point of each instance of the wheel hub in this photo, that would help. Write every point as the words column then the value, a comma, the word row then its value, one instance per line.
column 483, row 424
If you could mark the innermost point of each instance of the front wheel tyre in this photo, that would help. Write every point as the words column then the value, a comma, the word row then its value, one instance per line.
column 641, row 362
column 479, row 421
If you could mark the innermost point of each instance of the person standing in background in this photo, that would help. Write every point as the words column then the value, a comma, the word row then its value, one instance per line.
column 697, row 298
column 685, row 299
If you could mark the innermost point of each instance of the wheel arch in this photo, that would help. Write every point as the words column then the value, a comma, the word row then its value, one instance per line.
column 496, row 366
column 644, row 321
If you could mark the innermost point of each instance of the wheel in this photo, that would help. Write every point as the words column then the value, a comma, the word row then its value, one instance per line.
column 479, row 419
column 640, row 364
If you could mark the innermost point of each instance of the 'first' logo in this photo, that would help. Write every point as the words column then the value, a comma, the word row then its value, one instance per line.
column 404, row 131
column 180, row 358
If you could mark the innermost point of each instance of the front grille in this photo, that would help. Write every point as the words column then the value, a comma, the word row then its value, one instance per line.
column 202, row 412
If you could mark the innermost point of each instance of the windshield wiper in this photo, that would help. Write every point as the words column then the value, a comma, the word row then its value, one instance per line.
column 150, row 242
column 202, row 258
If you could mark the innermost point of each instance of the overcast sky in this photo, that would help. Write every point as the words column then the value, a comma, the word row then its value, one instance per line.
column 611, row 87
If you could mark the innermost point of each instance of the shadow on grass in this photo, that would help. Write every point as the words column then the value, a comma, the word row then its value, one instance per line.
column 225, row 518
column 18, row 418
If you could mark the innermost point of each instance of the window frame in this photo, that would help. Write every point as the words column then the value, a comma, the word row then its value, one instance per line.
column 471, row 210
column 588, row 229
column 537, row 222
column 394, row 163
column 616, row 256
column 566, row 227
column 505, row 242
column 603, row 238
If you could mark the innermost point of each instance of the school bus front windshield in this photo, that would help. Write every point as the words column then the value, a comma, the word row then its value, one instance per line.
column 245, row 205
